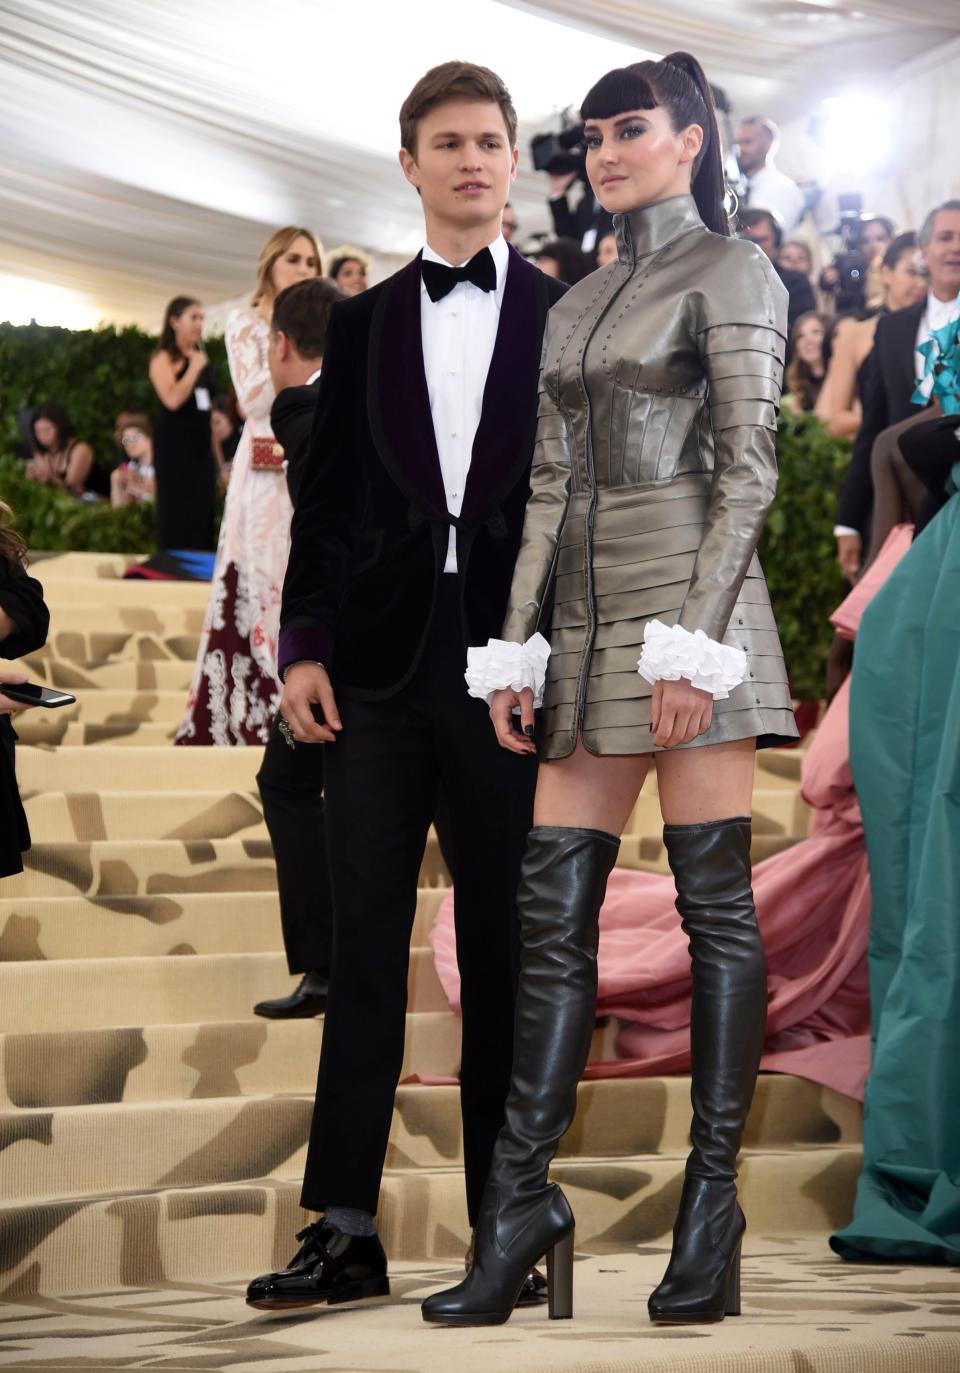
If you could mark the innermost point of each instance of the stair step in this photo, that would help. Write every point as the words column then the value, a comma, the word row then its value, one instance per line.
column 87, row 993
column 45, row 729
column 121, row 675
column 84, row 619
column 87, row 567
column 132, row 769
column 119, row 646
column 117, row 707
column 88, row 1150
column 62, row 594
column 78, row 927
column 63, row 817
column 202, row 1233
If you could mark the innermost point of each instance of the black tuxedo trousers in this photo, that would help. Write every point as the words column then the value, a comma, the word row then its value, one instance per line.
column 382, row 779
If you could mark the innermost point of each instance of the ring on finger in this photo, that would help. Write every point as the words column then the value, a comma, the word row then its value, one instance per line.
column 287, row 732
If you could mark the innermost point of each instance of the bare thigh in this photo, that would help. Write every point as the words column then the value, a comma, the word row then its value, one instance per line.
column 590, row 792
column 712, row 782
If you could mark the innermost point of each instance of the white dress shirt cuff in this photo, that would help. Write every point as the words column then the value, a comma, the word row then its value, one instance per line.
column 839, row 529
column 671, row 652
column 503, row 664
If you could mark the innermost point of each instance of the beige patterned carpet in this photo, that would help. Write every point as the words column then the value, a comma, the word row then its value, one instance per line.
column 152, row 1131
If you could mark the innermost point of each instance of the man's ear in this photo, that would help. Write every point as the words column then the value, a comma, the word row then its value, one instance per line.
column 514, row 163
column 410, row 169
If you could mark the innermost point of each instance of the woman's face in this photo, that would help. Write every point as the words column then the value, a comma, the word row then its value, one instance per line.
column 636, row 159
column 874, row 238
column 220, row 425
column 352, row 277
column 607, row 250
column 45, row 433
column 795, row 258
column 808, row 344
column 188, row 328
column 904, row 281
column 135, row 444
column 298, row 263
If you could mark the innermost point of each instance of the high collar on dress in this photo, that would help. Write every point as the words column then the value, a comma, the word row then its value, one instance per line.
column 647, row 230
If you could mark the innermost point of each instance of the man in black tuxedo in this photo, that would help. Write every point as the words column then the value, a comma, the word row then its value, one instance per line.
column 405, row 537
column 291, row 780
column 894, row 370
column 764, row 229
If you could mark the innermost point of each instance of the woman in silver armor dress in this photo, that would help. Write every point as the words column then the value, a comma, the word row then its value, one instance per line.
column 653, row 473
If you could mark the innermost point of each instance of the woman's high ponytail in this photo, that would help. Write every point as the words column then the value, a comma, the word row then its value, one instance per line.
column 679, row 84
column 708, row 184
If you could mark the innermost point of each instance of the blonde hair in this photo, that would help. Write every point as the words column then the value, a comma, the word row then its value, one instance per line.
column 274, row 248
column 13, row 550
column 346, row 253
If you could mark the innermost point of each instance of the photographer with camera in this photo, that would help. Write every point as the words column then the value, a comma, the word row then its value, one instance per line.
column 852, row 279
column 563, row 157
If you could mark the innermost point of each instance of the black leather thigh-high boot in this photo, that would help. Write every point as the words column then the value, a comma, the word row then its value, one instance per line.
column 711, row 866
column 523, row 1216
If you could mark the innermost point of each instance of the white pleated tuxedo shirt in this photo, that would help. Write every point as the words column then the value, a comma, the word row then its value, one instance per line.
column 459, row 333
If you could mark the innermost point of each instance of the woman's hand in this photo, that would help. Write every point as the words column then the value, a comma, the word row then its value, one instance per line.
column 8, row 707
column 198, row 359
column 680, row 712
column 504, row 721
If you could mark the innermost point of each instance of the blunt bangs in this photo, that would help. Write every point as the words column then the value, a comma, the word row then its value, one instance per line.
column 620, row 90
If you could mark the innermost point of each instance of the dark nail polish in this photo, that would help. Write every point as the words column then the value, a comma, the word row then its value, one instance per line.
column 528, row 731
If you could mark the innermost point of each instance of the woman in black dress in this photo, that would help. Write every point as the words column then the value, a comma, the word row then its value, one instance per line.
column 183, row 455
column 24, row 620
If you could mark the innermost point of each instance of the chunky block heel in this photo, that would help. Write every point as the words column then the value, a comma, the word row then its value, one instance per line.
column 560, row 1279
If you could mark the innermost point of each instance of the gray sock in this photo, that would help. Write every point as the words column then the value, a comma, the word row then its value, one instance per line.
column 350, row 1221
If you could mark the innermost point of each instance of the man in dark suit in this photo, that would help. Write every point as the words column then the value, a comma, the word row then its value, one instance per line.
column 764, row 229
column 894, row 370
column 405, row 537
column 291, row 780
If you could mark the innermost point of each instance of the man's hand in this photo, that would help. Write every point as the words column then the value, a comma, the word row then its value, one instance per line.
column 849, row 551
column 560, row 181
column 8, row 707
column 680, row 712
column 501, row 713
column 306, row 685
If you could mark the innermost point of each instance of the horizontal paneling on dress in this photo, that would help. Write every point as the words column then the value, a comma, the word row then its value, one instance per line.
column 653, row 472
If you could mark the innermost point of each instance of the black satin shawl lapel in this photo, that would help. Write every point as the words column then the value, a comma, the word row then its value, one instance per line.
column 398, row 403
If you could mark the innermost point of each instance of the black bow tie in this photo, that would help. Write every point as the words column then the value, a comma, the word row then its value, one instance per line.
column 440, row 279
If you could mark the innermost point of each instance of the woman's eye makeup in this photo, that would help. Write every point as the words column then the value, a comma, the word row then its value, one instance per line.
column 631, row 131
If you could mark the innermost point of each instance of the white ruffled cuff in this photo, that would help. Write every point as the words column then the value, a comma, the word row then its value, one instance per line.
column 503, row 664
column 670, row 652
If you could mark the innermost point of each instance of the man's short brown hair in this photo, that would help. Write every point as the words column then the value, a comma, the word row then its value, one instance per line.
column 454, row 81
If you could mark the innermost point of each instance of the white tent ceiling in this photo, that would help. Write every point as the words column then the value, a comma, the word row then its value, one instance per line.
column 147, row 149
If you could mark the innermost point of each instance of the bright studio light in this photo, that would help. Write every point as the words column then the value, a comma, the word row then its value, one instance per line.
column 854, row 132
column 23, row 300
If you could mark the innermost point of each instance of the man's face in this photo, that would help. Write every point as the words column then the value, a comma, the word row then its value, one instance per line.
column 754, row 144
column 942, row 255
column 763, row 236
column 509, row 224
column 463, row 164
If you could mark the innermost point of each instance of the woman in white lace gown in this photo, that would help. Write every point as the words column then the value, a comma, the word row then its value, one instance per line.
column 235, row 690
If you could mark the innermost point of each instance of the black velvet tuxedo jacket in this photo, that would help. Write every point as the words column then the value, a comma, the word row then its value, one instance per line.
column 890, row 383
column 370, row 532
column 291, row 422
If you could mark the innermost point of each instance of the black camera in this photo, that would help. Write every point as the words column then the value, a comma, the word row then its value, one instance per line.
column 847, row 282
column 563, row 152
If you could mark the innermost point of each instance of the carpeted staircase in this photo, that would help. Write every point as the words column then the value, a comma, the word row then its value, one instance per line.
column 152, row 1130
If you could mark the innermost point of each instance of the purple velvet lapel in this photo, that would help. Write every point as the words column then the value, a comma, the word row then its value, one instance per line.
column 398, row 400
column 509, row 397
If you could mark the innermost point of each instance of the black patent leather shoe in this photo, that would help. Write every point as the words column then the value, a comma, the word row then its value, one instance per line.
column 307, row 999
column 534, row 1290
column 329, row 1268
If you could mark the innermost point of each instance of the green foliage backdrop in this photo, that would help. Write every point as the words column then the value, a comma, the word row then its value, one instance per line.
column 96, row 373
column 92, row 373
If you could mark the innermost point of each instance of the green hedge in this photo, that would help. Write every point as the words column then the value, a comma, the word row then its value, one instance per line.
column 92, row 373
column 798, row 550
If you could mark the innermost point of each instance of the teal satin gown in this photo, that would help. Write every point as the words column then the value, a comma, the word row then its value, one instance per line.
column 905, row 756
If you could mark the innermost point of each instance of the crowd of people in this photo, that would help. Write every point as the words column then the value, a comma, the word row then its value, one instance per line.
column 551, row 481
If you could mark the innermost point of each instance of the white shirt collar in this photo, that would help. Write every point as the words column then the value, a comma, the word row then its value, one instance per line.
column 940, row 312
column 498, row 251
column 312, row 377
